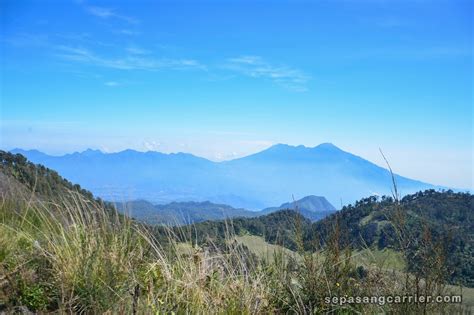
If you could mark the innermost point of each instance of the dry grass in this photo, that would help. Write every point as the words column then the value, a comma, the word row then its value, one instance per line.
column 77, row 257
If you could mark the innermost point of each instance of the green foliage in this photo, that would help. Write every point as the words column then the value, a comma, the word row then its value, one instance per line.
column 43, row 182
column 37, row 178
column 275, row 228
column 369, row 223
column 446, row 216
column 34, row 297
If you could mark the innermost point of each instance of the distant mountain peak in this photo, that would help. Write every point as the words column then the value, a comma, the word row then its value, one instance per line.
column 128, row 151
column 18, row 150
column 327, row 145
column 282, row 147
column 312, row 207
column 279, row 146
column 311, row 203
column 286, row 152
column 311, row 197
column 31, row 152
column 91, row 152
column 289, row 146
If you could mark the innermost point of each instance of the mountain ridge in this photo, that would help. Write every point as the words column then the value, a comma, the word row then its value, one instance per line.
column 273, row 148
column 188, row 212
column 254, row 182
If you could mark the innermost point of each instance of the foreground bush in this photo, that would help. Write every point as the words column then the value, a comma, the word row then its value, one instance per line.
column 76, row 256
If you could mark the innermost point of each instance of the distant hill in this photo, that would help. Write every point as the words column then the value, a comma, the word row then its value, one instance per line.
column 254, row 182
column 311, row 207
column 179, row 213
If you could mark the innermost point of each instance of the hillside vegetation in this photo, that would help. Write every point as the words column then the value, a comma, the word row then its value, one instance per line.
column 63, row 252
column 439, row 222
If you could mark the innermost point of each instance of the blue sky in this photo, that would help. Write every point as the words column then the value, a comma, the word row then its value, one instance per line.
column 223, row 79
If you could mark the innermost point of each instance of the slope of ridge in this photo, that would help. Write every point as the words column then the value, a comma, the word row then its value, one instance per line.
column 23, row 180
column 332, row 172
column 253, row 182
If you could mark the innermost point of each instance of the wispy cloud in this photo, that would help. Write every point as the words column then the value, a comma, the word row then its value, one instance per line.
column 151, row 145
column 86, row 50
column 111, row 83
column 137, row 50
column 257, row 67
column 127, row 32
column 109, row 13
column 128, row 61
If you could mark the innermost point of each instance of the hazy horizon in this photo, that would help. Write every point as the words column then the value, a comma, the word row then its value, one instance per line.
column 229, row 159
column 223, row 81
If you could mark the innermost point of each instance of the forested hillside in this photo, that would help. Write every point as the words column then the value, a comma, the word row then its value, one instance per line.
column 35, row 178
column 443, row 219
column 277, row 228
column 432, row 220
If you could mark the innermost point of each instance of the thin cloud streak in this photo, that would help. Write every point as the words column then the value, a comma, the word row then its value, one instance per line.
column 137, row 51
column 139, row 58
column 107, row 13
column 127, row 32
column 257, row 67
column 127, row 62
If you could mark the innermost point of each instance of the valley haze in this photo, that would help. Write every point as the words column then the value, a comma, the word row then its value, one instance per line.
column 254, row 182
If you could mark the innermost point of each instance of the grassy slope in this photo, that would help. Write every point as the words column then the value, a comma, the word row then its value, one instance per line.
column 66, row 253
column 262, row 249
column 62, row 251
column 389, row 259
